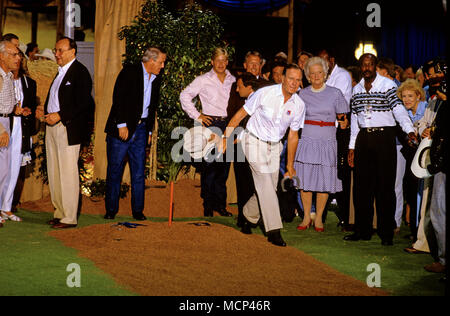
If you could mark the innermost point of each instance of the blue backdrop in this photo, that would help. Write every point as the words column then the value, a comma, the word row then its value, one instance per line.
column 412, row 44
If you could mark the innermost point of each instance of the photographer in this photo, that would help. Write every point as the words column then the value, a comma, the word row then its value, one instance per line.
column 431, row 126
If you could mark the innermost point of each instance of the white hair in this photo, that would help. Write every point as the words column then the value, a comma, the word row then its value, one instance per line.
column 316, row 61
column 151, row 53
column 3, row 47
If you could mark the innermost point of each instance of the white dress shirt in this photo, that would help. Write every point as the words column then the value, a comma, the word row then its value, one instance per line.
column 53, row 101
column 377, row 108
column 341, row 79
column 270, row 116
column 212, row 92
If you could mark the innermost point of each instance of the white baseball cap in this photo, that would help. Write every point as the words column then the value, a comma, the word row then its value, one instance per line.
column 199, row 141
column 47, row 53
column 422, row 159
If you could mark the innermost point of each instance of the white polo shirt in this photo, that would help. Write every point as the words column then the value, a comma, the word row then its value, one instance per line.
column 270, row 116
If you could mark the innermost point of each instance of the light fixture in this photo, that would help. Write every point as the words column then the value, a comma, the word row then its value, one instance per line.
column 364, row 48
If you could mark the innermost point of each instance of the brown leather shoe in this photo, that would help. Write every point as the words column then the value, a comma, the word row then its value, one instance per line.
column 435, row 267
column 62, row 225
column 54, row 221
column 413, row 250
column 1, row 225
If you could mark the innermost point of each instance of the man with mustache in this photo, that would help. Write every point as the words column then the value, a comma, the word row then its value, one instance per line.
column 375, row 110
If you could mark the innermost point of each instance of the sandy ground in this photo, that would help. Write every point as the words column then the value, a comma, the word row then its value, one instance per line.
column 189, row 258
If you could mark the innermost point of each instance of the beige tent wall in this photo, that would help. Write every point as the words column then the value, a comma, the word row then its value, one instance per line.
column 110, row 16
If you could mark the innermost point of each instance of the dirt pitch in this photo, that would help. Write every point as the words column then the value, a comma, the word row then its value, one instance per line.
column 192, row 259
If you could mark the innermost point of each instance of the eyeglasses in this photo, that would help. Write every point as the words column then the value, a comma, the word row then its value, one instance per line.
column 59, row 50
column 14, row 54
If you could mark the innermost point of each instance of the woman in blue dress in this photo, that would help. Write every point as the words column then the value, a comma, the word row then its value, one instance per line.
column 316, row 156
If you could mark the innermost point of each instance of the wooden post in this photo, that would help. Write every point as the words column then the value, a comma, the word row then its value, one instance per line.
column 34, row 25
column 291, row 32
column 60, row 19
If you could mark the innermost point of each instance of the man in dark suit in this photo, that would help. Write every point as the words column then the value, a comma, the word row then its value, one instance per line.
column 129, row 126
column 69, row 103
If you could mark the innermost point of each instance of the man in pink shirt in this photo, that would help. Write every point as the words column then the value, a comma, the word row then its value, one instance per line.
column 213, row 89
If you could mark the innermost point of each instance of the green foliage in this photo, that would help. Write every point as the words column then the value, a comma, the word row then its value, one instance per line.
column 189, row 38
column 97, row 188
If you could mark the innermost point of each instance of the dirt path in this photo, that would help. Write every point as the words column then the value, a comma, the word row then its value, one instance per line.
column 216, row 260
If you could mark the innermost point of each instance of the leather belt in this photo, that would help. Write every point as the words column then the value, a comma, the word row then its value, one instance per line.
column 374, row 129
column 320, row 123
column 54, row 124
column 142, row 120
column 5, row 115
column 264, row 141
column 217, row 118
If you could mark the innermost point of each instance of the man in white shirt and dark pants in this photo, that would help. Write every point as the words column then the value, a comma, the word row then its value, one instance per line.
column 340, row 78
column 273, row 110
column 372, row 151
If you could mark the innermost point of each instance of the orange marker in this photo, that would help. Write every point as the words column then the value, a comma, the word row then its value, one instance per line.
column 171, row 204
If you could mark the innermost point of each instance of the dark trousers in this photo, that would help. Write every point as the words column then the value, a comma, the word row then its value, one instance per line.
column 343, row 197
column 244, row 181
column 374, row 178
column 214, row 177
column 117, row 151
column 344, row 174
column 410, row 190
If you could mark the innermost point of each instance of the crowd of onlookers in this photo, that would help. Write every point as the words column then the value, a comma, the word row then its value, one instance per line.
column 375, row 102
column 347, row 136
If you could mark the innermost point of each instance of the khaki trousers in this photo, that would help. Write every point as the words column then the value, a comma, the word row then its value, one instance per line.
column 264, row 160
column 63, row 173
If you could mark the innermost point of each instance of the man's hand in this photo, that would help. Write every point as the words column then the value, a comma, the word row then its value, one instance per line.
column 18, row 111
column 290, row 172
column 52, row 118
column 4, row 139
column 343, row 121
column 26, row 111
column 426, row 133
column 40, row 112
column 441, row 96
column 205, row 120
column 351, row 158
column 123, row 133
column 412, row 140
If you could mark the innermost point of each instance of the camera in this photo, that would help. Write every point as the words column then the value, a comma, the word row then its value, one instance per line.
column 438, row 82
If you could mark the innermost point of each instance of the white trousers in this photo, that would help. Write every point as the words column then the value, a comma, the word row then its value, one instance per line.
column 422, row 243
column 14, row 165
column 5, row 159
column 264, row 160
column 63, row 174
column 401, row 165
column 438, row 212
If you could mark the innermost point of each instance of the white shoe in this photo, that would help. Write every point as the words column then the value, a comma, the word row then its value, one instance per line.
column 11, row 217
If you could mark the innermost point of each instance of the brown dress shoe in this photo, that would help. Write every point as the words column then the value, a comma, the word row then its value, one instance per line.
column 62, row 225
column 414, row 251
column 435, row 267
column 54, row 221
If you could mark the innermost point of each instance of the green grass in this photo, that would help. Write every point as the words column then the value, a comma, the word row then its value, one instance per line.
column 34, row 263
column 401, row 273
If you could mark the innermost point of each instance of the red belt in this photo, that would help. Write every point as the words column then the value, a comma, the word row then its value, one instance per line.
column 320, row 123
